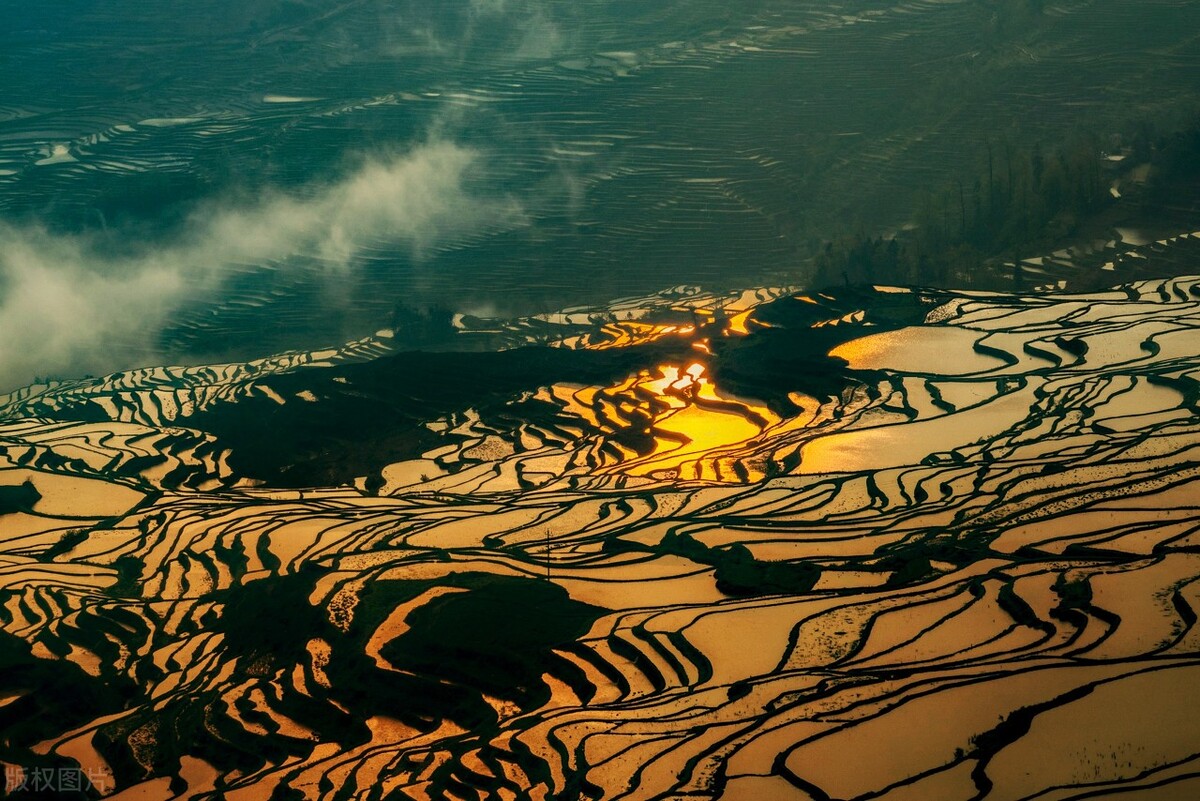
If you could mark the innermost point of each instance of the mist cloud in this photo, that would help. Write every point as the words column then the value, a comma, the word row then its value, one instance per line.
column 67, row 308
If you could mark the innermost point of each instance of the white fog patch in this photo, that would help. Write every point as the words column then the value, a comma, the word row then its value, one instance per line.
column 66, row 307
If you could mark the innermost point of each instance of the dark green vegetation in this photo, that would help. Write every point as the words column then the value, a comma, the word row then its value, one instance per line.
column 738, row 573
column 45, row 705
column 492, row 635
column 375, row 417
column 496, row 639
column 364, row 416
column 18, row 498
column 788, row 354
column 52, row 695
column 1028, row 202
column 1174, row 181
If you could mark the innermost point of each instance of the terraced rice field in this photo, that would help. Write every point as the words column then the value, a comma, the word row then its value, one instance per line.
column 537, row 527
column 882, row 543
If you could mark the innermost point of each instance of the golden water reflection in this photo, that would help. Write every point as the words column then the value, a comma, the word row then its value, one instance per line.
column 696, row 431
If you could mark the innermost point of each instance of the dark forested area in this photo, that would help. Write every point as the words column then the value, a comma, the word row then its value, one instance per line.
column 1022, row 203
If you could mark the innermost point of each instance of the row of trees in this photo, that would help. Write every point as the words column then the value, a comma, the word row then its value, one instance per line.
column 1019, row 201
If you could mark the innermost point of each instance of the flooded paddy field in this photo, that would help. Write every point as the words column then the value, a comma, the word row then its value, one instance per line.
column 504, row 399
column 875, row 543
